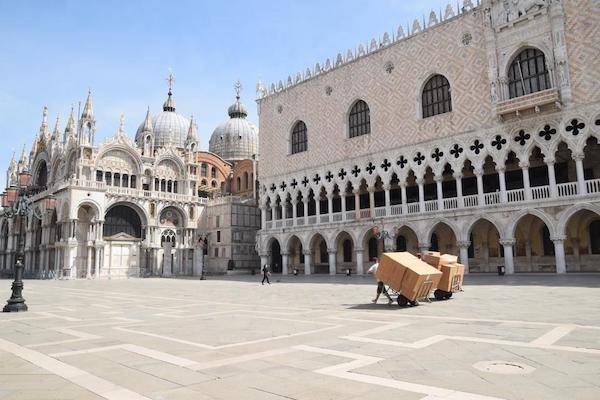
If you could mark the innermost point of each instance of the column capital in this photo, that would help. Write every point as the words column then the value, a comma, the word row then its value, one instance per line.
column 419, row 181
column 424, row 245
column 500, row 168
column 356, row 191
column 524, row 164
column 507, row 242
column 387, row 186
column 464, row 243
column 558, row 238
column 578, row 156
column 438, row 178
column 357, row 251
column 478, row 171
column 307, row 252
column 331, row 250
column 285, row 253
column 457, row 175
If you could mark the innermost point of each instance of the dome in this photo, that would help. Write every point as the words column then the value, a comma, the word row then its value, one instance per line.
column 236, row 138
column 168, row 127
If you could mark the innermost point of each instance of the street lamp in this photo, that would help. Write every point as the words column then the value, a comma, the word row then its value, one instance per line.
column 203, row 241
column 16, row 205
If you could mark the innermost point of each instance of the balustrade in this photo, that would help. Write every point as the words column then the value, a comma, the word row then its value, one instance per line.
column 337, row 217
column 471, row 200
column 593, row 185
column 540, row 192
column 300, row 221
column 312, row 220
column 396, row 209
column 413, row 208
column 278, row 223
column 431, row 205
column 365, row 213
column 324, row 219
column 380, row 212
column 289, row 222
column 515, row 195
column 492, row 198
column 566, row 189
column 451, row 203
column 350, row 215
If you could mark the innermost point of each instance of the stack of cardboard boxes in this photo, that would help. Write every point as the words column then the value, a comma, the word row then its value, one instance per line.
column 452, row 271
column 407, row 275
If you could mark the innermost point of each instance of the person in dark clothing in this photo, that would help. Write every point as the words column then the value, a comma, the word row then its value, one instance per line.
column 266, row 273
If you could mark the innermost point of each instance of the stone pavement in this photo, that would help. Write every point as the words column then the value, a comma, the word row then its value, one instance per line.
column 318, row 337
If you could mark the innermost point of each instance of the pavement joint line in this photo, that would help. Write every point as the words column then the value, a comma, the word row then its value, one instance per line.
column 500, row 321
column 94, row 384
column 554, row 335
column 226, row 346
column 359, row 361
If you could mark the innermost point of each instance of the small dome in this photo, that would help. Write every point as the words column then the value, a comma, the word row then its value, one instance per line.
column 168, row 127
column 236, row 138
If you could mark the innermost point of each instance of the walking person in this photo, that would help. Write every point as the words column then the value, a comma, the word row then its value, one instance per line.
column 266, row 273
column 380, row 285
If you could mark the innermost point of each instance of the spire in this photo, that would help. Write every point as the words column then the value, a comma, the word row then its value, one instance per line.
column 23, row 160
column 44, row 126
column 192, row 130
column 88, row 109
column 237, row 109
column 147, row 122
column 121, row 130
column 70, row 128
column 169, row 104
column 56, row 132
column 13, row 160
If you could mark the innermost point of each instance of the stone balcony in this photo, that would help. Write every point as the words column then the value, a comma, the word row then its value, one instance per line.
column 516, row 198
column 527, row 102
column 120, row 191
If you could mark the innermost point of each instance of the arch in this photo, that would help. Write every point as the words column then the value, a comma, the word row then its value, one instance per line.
column 120, row 220
column 485, row 251
column 442, row 242
column 275, row 258
column 298, row 138
column 40, row 171
column 565, row 216
column 509, row 232
column 527, row 72
column 295, row 250
column 436, row 96
column 534, row 247
column 318, row 247
column 466, row 233
column 130, row 152
column 411, row 239
column 173, row 215
column 359, row 119
column 436, row 223
column 93, row 204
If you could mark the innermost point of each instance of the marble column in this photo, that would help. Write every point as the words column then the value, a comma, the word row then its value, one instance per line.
column 332, row 267
column 403, row 195
column 502, row 180
column 371, row 190
column 459, row 192
column 480, row 195
column 97, row 262
column 88, row 274
column 559, row 254
column 343, row 199
column 357, row 202
column 263, row 217
column 359, row 262
column 285, row 258
column 307, row 262
column 463, row 251
column 294, row 211
column 440, row 192
column 581, row 188
column 421, row 195
column 552, row 179
column 509, row 265
column 305, row 202
column 388, row 202
column 526, row 185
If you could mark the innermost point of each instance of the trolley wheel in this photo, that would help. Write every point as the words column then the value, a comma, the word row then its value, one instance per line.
column 414, row 303
column 448, row 295
column 402, row 301
column 439, row 294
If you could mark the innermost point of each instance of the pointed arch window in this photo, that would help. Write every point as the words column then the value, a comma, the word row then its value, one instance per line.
column 436, row 97
column 528, row 73
column 359, row 119
column 299, row 138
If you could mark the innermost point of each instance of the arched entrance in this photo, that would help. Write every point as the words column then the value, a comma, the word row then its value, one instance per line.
column 582, row 247
column 296, row 254
column 406, row 240
column 485, row 252
column 373, row 246
column 534, row 250
column 345, row 255
column 320, row 257
column 275, row 256
column 123, row 235
column 443, row 239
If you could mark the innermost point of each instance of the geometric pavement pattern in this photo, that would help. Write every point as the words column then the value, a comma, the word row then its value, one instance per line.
column 305, row 338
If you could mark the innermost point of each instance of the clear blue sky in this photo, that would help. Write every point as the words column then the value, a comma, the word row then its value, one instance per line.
column 51, row 52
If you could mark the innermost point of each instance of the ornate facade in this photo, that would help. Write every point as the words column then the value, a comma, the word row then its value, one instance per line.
column 473, row 133
column 122, row 208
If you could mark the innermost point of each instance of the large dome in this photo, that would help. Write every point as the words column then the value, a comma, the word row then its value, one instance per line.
column 168, row 127
column 236, row 138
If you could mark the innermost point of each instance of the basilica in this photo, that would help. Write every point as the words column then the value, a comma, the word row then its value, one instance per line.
column 473, row 131
column 129, row 208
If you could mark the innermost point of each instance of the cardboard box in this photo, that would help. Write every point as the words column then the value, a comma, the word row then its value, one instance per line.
column 448, row 259
column 435, row 259
column 406, row 274
column 449, row 273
